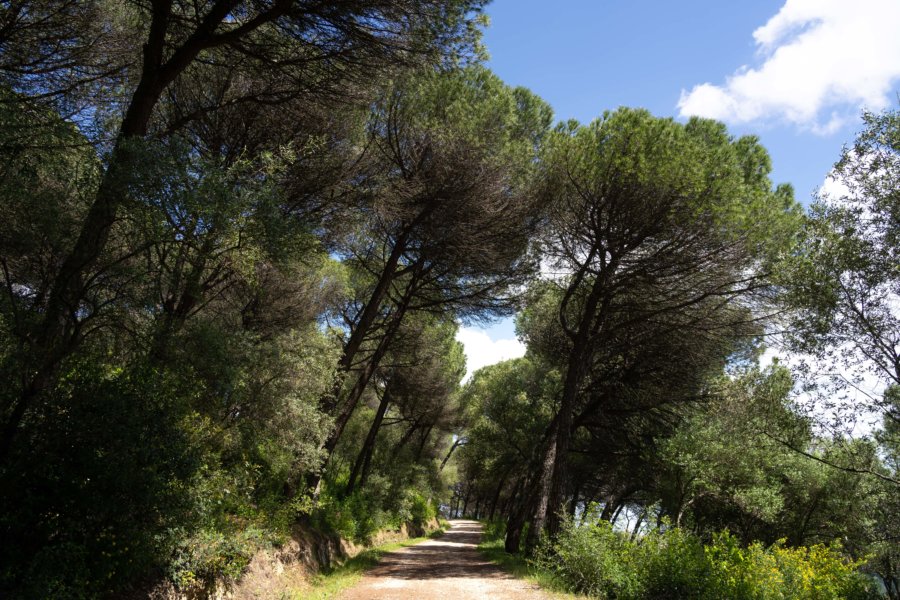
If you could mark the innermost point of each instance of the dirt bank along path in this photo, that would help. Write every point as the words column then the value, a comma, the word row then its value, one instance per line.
column 447, row 567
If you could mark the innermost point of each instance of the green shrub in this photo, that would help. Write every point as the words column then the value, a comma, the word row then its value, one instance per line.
column 356, row 517
column 210, row 555
column 671, row 563
column 494, row 530
column 820, row 572
column 741, row 573
column 93, row 499
column 421, row 510
column 594, row 560
column 378, row 506
column 805, row 573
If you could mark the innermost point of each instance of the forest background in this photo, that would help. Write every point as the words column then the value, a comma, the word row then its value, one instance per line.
column 239, row 239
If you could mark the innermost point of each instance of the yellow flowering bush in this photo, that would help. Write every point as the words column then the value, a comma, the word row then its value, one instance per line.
column 818, row 572
column 672, row 563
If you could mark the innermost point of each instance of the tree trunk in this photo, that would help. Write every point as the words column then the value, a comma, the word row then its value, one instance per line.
column 496, row 498
column 359, row 387
column 515, row 524
column 450, row 453
column 637, row 526
column 573, row 506
column 505, row 505
column 425, row 436
column 543, row 489
column 57, row 334
column 614, row 502
column 608, row 506
column 518, row 515
column 365, row 454
column 510, row 503
column 466, row 501
column 362, row 327
column 555, row 466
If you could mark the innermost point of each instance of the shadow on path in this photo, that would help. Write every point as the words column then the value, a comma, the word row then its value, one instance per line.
column 454, row 554
column 447, row 567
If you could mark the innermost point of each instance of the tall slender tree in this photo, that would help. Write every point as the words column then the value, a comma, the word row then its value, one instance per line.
column 447, row 214
column 313, row 47
column 655, row 229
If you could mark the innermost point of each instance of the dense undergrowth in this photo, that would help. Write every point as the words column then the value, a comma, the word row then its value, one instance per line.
column 221, row 555
column 669, row 562
column 361, row 515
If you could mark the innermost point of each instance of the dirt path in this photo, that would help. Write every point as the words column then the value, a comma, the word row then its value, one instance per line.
column 447, row 567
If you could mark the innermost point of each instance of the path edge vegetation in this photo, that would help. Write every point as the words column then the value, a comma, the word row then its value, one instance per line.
column 491, row 546
column 590, row 559
column 331, row 581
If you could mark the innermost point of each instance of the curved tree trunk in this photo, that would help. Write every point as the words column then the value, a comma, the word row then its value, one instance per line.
column 57, row 334
column 364, row 459
column 496, row 497
column 543, row 490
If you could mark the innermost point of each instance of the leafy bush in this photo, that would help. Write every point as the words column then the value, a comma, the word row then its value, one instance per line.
column 356, row 517
column 420, row 510
column 211, row 554
column 94, row 499
column 367, row 511
column 671, row 563
column 805, row 573
column 494, row 530
column 739, row 573
column 593, row 560
column 819, row 571
column 125, row 476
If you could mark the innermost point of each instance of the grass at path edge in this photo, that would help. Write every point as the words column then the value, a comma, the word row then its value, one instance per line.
column 519, row 567
column 328, row 584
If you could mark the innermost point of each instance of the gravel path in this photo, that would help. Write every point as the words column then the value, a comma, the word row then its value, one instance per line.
column 447, row 567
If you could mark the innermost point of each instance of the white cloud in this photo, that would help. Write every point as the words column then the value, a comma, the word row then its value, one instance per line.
column 822, row 60
column 482, row 351
column 834, row 188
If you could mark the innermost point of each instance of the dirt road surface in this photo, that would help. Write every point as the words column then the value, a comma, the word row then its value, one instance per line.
column 447, row 567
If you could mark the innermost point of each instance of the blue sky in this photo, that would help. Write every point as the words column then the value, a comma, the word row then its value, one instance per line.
column 796, row 73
